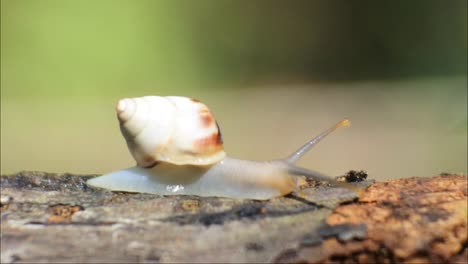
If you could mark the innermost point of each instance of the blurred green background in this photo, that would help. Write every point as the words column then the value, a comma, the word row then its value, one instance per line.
column 275, row 73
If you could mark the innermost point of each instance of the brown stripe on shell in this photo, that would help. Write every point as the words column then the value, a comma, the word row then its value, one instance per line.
column 209, row 144
column 151, row 165
column 206, row 118
column 151, row 161
column 194, row 100
column 220, row 137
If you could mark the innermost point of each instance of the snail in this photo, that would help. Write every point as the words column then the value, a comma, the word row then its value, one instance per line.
column 178, row 148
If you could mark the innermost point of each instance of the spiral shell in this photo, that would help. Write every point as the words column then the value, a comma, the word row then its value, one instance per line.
column 172, row 129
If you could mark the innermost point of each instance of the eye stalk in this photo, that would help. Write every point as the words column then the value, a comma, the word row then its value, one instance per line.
column 293, row 158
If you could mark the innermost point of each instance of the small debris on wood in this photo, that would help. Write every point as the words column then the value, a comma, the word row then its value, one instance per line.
column 5, row 200
column 353, row 176
column 62, row 213
column 254, row 246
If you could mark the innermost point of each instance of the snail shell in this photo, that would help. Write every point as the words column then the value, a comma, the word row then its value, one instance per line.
column 172, row 129
column 177, row 145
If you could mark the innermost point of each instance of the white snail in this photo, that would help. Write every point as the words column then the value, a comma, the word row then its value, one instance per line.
column 177, row 145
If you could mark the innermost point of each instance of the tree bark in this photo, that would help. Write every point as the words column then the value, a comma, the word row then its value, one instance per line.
column 49, row 217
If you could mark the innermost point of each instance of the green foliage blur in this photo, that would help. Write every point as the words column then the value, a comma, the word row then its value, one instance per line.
column 274, row 72
column 90, row 48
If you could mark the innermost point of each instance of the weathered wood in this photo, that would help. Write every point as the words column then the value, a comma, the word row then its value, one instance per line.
column 58, row 218
column 414, row 220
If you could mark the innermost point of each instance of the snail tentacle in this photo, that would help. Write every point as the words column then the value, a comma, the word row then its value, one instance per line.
column 294, row 157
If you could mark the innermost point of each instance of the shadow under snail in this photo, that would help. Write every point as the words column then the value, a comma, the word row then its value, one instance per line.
column 178, row 148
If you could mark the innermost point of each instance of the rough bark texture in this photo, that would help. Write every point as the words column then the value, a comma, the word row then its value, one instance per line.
column 58, row 218
column 414, row 220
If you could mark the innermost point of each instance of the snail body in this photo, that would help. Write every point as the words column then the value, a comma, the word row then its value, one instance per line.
column 227, row 178
column 177, row 145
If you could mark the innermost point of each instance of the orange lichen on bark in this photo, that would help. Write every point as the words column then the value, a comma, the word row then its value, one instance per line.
column 62, row 213
column 411, row 218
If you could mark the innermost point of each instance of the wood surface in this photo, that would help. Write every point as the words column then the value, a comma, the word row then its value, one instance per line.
column 48, row 217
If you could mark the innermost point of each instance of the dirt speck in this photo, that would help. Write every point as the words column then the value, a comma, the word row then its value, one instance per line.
column 62, row 213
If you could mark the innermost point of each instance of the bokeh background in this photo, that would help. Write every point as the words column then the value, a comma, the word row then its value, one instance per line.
column 275, row 74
